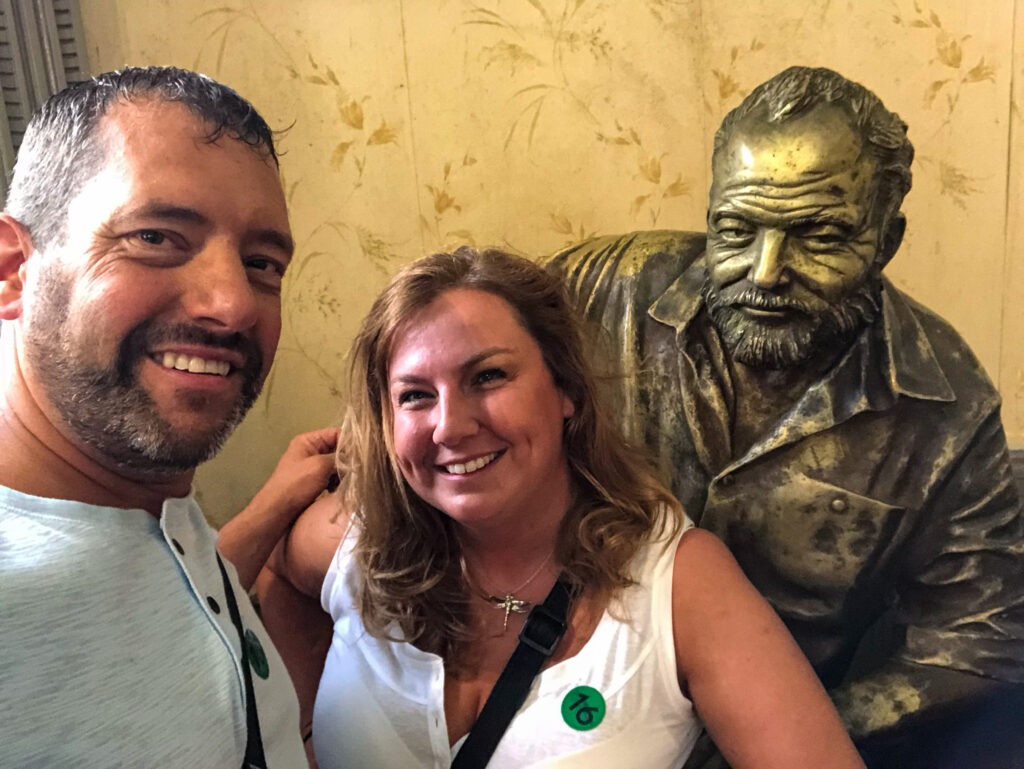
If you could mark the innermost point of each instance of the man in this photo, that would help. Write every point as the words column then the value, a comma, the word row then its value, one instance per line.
column 840, row 438
column 141, row 259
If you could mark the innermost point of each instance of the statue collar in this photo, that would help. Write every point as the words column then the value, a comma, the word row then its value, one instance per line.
column 911, row 368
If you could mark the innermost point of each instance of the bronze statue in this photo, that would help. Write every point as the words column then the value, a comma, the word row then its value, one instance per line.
column 839, row 437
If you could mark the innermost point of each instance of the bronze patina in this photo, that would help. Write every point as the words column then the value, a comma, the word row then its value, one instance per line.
column 839, row 437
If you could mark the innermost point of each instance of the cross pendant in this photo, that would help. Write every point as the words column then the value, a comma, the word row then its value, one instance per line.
column 510, row 604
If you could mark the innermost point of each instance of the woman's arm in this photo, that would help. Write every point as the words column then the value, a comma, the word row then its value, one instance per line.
column 301, row 475
column 754, row 690
column 288, row 590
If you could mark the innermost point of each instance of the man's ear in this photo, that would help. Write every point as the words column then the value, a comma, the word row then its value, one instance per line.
column 891, row 239
column 15, row 248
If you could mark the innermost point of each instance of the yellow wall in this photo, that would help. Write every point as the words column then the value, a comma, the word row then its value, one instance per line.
column 414, row 125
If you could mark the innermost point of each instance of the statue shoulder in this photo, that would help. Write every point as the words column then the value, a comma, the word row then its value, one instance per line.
column 963, row 370
column 641, row 263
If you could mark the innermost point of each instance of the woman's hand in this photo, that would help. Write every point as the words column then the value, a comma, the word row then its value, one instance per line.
column 302, row 474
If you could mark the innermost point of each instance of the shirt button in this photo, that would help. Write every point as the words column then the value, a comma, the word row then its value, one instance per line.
column 213, row 604
column 838, row 505
column 177, row 546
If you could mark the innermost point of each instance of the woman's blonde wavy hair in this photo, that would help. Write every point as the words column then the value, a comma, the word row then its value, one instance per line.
column 407, row 550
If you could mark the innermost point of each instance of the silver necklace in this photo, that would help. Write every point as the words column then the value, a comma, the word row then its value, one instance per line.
column 507, row 603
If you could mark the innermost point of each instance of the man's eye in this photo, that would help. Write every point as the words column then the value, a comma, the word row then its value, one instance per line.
column 824, row 237
column 734, row 233
column 151, row 237
column 263, row 264
column 266, row 272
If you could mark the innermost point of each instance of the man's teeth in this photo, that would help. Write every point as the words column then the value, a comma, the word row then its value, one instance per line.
column 194, row 365
column 472, row 465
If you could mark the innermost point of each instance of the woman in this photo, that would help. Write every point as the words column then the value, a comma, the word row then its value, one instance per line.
column 481, row 467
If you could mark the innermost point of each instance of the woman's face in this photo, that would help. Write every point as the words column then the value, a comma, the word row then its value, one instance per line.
column 477, row 417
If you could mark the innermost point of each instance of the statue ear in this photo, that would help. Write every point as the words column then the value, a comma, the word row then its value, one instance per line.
column 891, row 239
column 15, row 247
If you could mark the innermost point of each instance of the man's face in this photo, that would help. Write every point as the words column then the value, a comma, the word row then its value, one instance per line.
column 149, row 331
column 793, row 239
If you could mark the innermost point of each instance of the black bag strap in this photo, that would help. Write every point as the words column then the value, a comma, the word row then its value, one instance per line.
column 544, row 628
column 254, row 757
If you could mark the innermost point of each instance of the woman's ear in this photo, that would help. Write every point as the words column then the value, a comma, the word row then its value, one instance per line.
column 568, row 407
column 15, row 247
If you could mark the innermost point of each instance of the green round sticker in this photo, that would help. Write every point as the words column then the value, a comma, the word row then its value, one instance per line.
column 257, row 657
column 583, row 708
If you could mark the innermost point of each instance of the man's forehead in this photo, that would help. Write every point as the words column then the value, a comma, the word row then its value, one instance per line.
column 822, row 140
column 156, row 156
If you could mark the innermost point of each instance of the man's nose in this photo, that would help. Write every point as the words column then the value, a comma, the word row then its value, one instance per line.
column 456, row 419
column 768, row 268
column 218, row 293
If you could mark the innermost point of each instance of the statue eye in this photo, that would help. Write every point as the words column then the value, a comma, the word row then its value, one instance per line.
column 824, row 236
column 734, row 231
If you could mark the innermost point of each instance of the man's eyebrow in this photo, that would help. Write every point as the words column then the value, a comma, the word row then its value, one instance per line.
column 159, row 210
column 808, row 220
column 819, row 220
column 276, row 239
column 175, row 213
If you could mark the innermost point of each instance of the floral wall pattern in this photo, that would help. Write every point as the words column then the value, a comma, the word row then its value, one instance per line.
column 418, row 125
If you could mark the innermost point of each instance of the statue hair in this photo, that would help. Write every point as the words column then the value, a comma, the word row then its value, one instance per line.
column 61, row 149
column 797, row 90
column 408, row 551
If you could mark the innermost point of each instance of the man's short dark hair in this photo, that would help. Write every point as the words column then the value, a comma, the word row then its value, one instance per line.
column 798, row 90
column 60, row 151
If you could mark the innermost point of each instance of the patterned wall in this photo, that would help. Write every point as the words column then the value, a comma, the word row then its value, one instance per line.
column 416, row 125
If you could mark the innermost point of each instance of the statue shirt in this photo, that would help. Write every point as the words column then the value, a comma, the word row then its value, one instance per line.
column 885, row 493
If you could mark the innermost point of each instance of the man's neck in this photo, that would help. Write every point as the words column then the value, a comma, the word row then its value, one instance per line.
column 40, row 458
column 764, row 396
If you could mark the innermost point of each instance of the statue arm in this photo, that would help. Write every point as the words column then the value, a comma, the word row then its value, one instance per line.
column 612, row 281
column 610, row 275
column 960, row 612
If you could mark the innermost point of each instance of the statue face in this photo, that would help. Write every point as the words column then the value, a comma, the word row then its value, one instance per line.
column 793, row 238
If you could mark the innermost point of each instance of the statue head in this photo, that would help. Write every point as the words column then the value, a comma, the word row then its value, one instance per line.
column 808, row 176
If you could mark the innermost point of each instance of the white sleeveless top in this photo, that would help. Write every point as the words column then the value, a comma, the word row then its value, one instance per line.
column 381, row 704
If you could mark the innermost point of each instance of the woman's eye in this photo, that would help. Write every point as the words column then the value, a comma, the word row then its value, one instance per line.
column 489, row 375
column 411, row 397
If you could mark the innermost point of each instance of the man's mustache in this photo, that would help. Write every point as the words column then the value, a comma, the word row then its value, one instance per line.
column 751, row 296
column 146, row 336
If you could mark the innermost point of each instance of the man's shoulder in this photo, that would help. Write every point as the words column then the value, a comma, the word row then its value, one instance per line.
column 963, row 370
column 642, row 263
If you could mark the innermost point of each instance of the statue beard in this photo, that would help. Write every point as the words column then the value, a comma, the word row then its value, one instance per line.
column 825, row 330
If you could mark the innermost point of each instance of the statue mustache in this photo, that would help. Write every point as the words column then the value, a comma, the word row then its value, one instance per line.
column 750, row 296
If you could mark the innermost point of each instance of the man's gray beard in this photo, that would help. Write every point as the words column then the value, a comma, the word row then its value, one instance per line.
column 826, row 331
column 107, row 409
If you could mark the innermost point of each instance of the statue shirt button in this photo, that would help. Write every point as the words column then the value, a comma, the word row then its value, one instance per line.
column 838, row 505
column 727, row 481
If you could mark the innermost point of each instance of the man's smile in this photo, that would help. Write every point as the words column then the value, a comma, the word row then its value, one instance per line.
column 193, row 364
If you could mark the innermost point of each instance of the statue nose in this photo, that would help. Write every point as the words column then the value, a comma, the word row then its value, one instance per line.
column 768, row 267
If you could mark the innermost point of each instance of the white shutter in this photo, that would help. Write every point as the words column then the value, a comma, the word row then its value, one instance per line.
column 42, row 49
